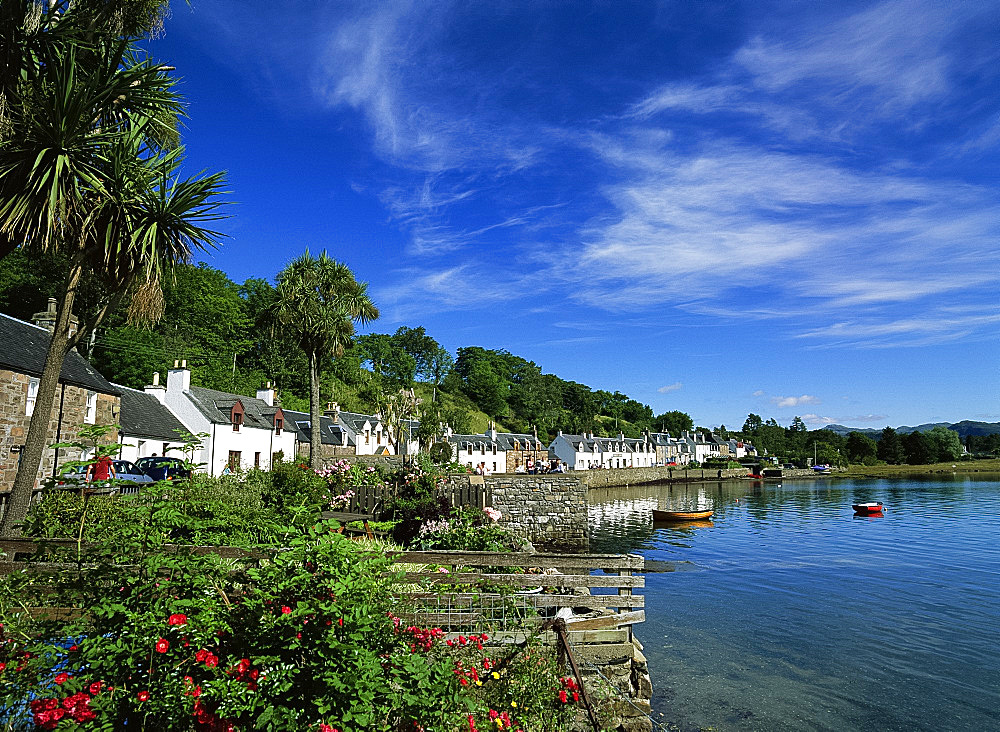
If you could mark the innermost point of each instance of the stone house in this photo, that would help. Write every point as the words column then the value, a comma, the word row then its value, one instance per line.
column 521, row 448
column 84, row 397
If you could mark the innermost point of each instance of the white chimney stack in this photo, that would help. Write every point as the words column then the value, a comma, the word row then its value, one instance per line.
column 156, row 388
column 179, row 378
column 266, row 393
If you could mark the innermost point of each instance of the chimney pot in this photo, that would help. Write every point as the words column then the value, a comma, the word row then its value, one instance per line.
column 176, row 363
column 184, row 364
column 156, row 378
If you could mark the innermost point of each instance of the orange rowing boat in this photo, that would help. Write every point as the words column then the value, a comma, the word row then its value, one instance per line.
column 681, row 515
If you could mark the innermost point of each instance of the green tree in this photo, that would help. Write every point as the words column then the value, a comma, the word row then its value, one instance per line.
column 89, row 169
column 319, row 301
column 919, row 449
column 890, row 447
column 946, row 443
column 674, row 422
column 861, row 448
column 440, row 365
column 752, row 423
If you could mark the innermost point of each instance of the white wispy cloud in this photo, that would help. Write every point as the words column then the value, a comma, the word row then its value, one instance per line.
column 670, row 387
column 792, row 401
column 816, row 419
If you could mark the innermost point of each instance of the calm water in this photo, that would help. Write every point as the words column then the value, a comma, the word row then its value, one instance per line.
column 786, row 612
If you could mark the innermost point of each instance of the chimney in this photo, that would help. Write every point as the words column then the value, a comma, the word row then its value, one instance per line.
column 157, row 389
column 47, row 318
column 179, row 377
column 492, row 431
column 266, row 393
column 332, row 411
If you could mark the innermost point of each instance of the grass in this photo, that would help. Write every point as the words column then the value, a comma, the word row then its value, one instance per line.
column 892, row 471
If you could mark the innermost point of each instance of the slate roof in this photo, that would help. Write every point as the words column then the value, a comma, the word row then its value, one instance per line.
column 217, row 405
column 143, row 415
column 330, row 432
column 355, row 421
column 23, row 348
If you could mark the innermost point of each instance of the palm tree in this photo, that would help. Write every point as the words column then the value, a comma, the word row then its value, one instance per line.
column 319, row 300
column 84, row 170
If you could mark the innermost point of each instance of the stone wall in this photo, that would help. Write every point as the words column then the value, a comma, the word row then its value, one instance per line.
column 14, row 423
column 548, row 510
column 638, row 476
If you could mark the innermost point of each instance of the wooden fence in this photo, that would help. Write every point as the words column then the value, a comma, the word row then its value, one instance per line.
column 375, row 499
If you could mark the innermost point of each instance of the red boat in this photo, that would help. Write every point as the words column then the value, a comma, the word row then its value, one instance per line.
column 867, row 509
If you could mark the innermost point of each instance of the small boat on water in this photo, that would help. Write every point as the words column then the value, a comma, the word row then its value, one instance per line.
column 867, row 509
column 681, row 515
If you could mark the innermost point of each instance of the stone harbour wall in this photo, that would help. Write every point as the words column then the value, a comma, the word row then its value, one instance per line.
column 550, row 511
column 638, row 476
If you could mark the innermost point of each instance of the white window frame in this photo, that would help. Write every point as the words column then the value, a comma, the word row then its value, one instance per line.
column 29, row 404
column 91, row 417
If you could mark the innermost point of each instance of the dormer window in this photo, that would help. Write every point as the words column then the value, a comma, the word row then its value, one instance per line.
column 236, row 415
column 279, row 424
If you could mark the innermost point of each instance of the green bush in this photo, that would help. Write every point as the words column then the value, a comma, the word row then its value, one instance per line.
column 468, row 529
column 308, row 640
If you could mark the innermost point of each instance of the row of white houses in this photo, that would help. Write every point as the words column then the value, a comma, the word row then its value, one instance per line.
column 238, row 432
column 508, row 452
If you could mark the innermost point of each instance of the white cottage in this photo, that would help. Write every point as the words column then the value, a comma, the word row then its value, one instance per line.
column 243, row 432
column 147, row 427
column 586, row 452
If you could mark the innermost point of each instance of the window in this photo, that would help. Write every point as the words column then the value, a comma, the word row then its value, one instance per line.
column 470, row 448
column 256, row 459
column 494, row 452
column 378, row 437
column 236, row 415
column 234, row 460
column 91, row 417
column 368, row 434
column 166, row 446
column 29, row 406
column 278, row 424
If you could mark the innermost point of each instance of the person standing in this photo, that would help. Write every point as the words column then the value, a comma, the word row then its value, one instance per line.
column 102, row 470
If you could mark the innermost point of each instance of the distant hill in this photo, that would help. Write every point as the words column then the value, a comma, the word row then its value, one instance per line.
column 964, row 428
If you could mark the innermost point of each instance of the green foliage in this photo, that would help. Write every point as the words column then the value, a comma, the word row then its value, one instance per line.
column 890, row 447
column 673, row 422
column 468, row 529
column 861, row 449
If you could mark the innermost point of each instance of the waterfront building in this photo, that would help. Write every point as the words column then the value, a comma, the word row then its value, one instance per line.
column 587, row 452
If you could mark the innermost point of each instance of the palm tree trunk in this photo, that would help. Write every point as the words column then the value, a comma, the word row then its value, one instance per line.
column 315, row 436
column 34, row 445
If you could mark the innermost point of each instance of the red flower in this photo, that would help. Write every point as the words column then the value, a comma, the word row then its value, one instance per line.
column 142, row 696
column 177, row 619
column 211, row 660
column 576, row 696
column 562, row 695
column 201, row 655
column 285, row 609
column 2, row 667
column 95, row 688
column 61, row 678
column 162, row 645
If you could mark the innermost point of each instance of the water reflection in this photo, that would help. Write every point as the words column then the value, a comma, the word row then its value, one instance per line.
column 763, row 635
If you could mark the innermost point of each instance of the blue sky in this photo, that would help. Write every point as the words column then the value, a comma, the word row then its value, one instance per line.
column 787, row 208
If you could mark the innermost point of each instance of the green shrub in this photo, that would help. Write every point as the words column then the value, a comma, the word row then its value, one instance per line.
column 306, row 641
column 468, row 529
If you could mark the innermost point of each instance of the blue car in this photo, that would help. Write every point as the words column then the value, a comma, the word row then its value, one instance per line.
column 126, row 473
column 163, row 468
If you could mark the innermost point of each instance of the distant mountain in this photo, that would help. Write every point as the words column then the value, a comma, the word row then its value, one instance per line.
column 964, row 428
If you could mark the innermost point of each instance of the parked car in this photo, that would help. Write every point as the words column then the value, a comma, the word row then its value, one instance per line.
column 126, row 473
column 163, row 468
